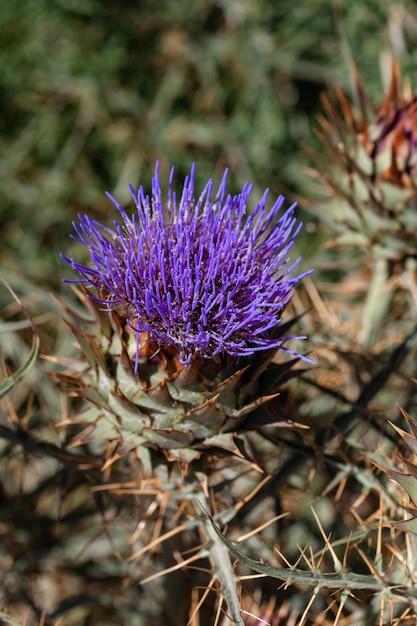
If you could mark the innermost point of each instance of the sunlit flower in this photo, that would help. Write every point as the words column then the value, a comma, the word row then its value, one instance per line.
column 202, row 274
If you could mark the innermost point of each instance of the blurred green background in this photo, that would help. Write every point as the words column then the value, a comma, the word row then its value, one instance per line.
column 93, row 93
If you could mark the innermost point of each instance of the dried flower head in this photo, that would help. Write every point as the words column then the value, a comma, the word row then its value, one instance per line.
column 200, row 274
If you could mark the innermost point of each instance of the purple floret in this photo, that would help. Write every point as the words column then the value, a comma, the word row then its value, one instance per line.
column 200, row 274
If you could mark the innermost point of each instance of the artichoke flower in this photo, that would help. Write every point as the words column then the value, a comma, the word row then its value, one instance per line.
column 183, row 294
column 367, row 180
column 178, row 350
column 369, row 173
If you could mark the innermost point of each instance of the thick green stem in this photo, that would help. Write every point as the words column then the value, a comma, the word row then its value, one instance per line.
column 378, row 301
column 220, row 558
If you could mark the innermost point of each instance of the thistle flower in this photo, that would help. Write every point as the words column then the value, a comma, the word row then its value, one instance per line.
column 199, row 274
column 190, row 280
column 370, row 171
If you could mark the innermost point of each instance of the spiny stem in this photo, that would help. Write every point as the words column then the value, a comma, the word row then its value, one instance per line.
column 220, row 558
column 343, row 580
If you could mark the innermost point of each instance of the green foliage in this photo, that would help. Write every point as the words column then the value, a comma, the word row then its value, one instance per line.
column 10, row 381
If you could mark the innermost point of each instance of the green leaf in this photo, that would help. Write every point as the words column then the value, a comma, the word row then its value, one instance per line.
column 409, row 525
column 10, row 381
column 9, row 620
column 407, row 482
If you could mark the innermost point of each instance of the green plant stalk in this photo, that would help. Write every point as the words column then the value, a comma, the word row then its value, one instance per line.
column 220, row 559
column 338, row 580
column 378, row 301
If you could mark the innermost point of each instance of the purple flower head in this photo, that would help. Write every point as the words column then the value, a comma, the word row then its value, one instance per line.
column 201, row 274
